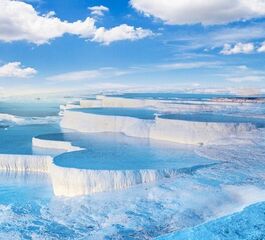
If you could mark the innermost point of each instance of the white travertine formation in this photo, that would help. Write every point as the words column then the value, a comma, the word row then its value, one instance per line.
column 104, row 101
column 74, row 182
column 52, row 144
column 179, row 131
column 92, row 123
column 25, row 163
column 90, row 103
column 189, row 132
column 126, row 102
column 69, row 106
column 70, row 182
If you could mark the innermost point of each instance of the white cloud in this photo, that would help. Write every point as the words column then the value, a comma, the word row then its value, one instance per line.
column 242, row 67
column 188, row 65
column 122, row 32
column 238, row 48
column 110, row 72
column 100, row 73
column 261, row 49
column 78, row 75
column 98, row 10
column 238, row 34
column 242, row 48
column 20, row 21
column 201, row 11
column 216, row 37
column 15, row 70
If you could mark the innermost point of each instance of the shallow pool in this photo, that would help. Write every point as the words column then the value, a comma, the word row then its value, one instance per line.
column 24, row 188
column 30, row 108
column 210, row 117
column 110, row 151
column 18, row 139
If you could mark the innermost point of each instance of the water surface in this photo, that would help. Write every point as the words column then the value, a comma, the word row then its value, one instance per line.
column 213, row 117
column 111, row 151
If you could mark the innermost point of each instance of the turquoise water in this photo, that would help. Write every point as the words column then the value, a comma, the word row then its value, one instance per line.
column 24, row 199
column 211, row 117
column 30, row 108
column 24, row 188
column 4, row 124
column 18, row 139
column 26, row 118
column 107, row 151
column 125, row 112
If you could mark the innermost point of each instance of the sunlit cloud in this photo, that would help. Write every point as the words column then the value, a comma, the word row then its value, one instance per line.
column 238, row 48
column 20, row 21
column 200, row 11
column 16, row 70
column 98, row 10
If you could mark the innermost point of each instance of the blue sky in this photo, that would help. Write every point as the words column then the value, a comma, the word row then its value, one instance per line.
column 52, row 44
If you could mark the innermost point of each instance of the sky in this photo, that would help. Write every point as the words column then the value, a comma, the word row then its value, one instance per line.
column 49, row 45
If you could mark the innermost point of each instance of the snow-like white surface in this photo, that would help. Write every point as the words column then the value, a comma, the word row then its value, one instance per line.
column 25, row 163
column 160, row 129
column 107, row 101
column 90, row 103
column 64, row 145
column 196, row 132
column 122, row 102
column 74, row 182
column 11, row 118
column 86, row 122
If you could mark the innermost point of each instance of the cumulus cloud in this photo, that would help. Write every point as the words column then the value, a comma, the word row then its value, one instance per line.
column 238, row 48
column 98, row 10
column 16, row 70
column 201, row 11
column 244, row 48
column 122, row 32
column 20, row 21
